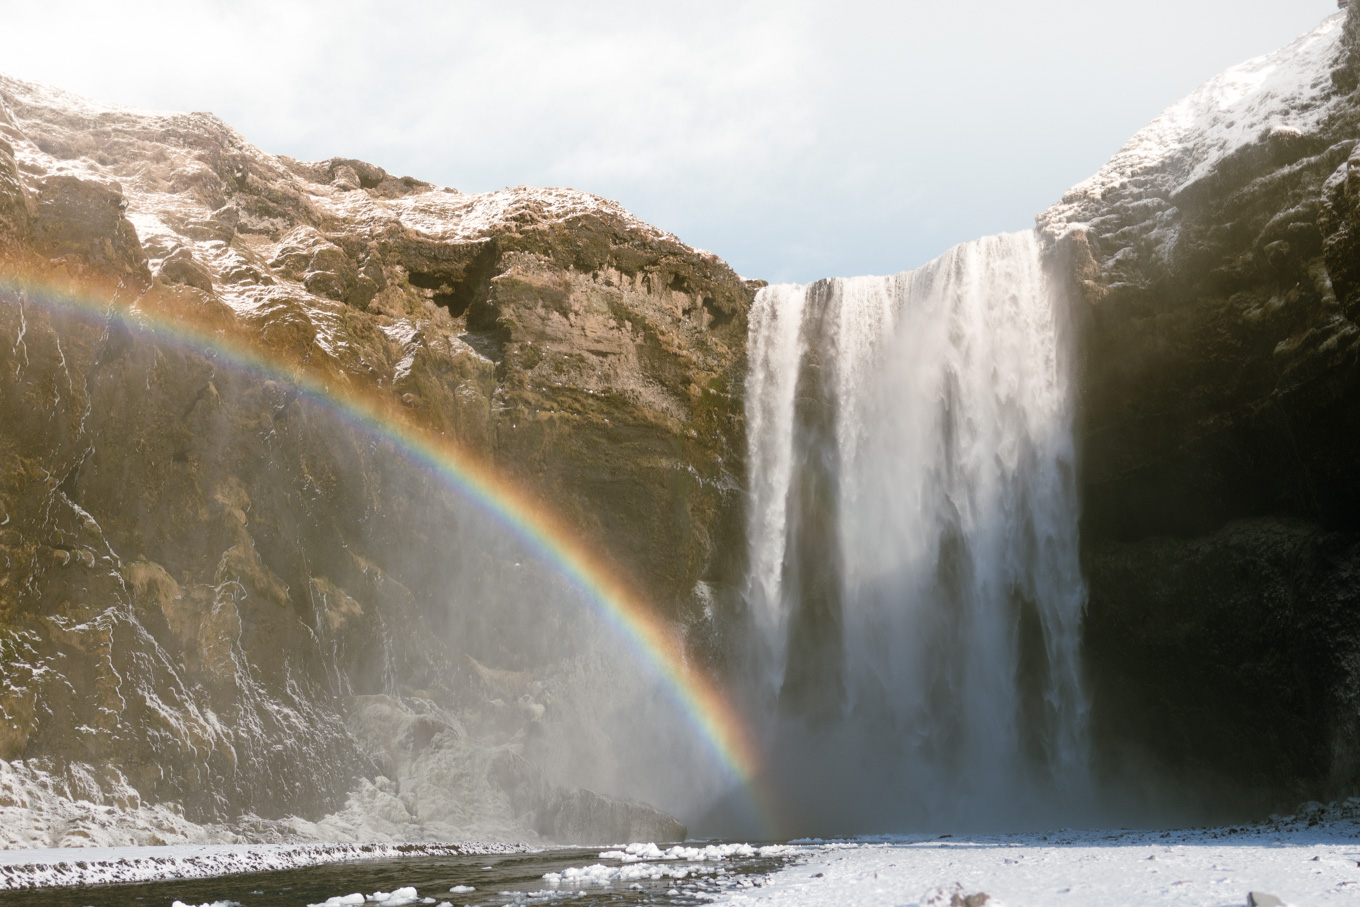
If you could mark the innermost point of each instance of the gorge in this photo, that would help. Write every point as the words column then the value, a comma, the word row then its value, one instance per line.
column 339, row 506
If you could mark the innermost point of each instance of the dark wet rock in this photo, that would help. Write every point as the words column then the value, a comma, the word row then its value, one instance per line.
column 1258, row 619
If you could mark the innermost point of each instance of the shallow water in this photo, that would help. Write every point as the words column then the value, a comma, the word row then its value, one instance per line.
column 503, row 879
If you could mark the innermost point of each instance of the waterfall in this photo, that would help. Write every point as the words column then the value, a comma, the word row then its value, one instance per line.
column 914, row 586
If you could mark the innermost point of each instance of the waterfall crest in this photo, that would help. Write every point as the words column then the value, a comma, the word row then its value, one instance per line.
column 914, row 584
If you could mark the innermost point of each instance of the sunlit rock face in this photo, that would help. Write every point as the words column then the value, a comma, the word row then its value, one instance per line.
column 226, row 612
column 1213, row 261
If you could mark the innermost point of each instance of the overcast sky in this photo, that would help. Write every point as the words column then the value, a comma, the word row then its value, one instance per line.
column 796, row 139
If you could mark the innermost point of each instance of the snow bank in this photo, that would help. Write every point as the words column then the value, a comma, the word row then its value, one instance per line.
column 103, row 865
column 634, row 853
column 647, row 862
column 600, row 874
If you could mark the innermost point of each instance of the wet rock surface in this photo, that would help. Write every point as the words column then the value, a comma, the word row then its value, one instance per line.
column 1211, row 266
column 205, row 580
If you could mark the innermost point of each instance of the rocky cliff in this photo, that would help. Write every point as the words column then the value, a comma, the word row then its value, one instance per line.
column 1213, row 267
column 222, row 606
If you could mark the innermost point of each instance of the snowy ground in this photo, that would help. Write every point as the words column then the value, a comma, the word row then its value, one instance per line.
column 1309, row 859
column 1312, row 858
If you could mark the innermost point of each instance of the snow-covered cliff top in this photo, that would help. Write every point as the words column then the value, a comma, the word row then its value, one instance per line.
column 171, row 168
column 1288, row 91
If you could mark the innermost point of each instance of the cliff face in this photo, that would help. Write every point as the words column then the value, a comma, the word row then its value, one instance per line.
column 1213, row 264
column 216, row 596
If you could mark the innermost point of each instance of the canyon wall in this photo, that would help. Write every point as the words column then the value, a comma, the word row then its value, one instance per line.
column 1213, row 267
column 217, row 599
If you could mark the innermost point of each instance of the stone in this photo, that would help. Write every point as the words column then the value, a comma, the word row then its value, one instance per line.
column 1261, row 899
column 969, row 900
column 14, row 204
column 180, row 266
column 85, row 220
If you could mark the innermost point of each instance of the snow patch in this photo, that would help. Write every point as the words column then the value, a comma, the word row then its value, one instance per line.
column 401, row 897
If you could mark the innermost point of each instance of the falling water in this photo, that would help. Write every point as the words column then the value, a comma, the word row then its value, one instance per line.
column 914, row 583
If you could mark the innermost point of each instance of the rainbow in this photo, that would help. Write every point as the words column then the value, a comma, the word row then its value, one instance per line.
column 707, row 710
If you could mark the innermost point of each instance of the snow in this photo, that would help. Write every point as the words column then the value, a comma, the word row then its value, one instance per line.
column 639, row 863
column 343, row 900
column 634, row 853
column 1285, row 92
column 103, row 865
column 401, row 897
column 1299, row 862
column 600, row 874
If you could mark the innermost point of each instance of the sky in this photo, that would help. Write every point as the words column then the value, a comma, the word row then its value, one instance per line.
column 797, row 140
